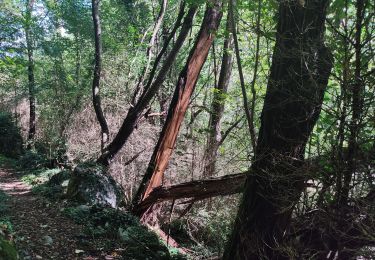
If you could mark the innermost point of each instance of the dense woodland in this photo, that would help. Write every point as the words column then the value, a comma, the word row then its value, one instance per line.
column 230, row 129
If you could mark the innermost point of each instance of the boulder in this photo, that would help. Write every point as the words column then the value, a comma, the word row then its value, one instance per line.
column 59, row 179
column 90, row 184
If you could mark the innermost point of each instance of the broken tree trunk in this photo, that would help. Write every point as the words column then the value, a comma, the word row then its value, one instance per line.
column 179, row 104
column 218, row 186
column 300, row 70
column 196, row 190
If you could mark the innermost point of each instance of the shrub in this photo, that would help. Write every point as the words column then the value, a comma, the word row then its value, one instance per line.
column 10, row 137
column 33, row 160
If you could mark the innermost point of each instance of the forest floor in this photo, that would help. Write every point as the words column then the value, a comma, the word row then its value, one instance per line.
column 41, row 231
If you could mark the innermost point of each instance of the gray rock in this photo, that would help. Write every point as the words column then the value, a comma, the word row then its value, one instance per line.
column 47, row 240
column 59, row 178
column 91, row 185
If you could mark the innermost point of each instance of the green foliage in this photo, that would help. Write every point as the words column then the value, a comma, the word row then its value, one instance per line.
column 8, row 162
column 7, row 250
column 10, row 137
column 142, row 244
column 47, row 182
column 3, row 199
column 33, row 160
column 204, row 231
column 101, row 221
column 38, row 176
column 111, row 223
column 50, row 192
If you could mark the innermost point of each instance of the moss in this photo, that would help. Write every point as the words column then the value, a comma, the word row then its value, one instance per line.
column 7, row 250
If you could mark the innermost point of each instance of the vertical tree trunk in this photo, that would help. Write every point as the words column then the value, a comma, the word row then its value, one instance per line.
column 357, row 101
column 151, row 89
column 179, row 103
column 218, row 103
column 299, row 75
column 248, row 113
column 30, row 72
column 97, row 73
column 338, row 158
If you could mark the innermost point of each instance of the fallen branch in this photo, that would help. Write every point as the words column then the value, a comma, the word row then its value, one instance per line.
column 197, row 190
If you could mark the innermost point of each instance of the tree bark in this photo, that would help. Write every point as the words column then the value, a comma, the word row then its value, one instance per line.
column 151, row 89
column 299, row 75
column 30, row 73
column 196, row 190
column 97, row 74
column 179, row 103
column 217, row 105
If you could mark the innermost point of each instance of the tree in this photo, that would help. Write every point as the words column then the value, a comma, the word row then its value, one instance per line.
column 150, row 90
column 30, row 72
column 180, row 101
column 97, row 71
column 300, row 70
column 217, row 106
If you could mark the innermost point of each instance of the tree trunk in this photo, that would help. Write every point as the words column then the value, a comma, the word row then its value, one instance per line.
column 357, row 101
column 196, row 190
column 30, row 70
column 217, row 105
column 151, row 89
column 248, row 113
column 212, row 187
column 299, row 75
column 179, row 103
column 97, row 71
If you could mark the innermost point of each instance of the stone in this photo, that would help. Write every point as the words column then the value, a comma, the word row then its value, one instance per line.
column 59, row 178
column 47, row 240
column 90, row 184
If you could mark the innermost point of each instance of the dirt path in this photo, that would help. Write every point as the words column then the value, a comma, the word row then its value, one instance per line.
column 41, row 231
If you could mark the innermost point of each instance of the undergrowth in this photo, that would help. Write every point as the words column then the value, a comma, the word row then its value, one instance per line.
column 5, row 224
column 7, row 249
column 111, row 223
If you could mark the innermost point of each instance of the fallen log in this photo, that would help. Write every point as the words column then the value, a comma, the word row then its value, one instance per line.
column 197, row 190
